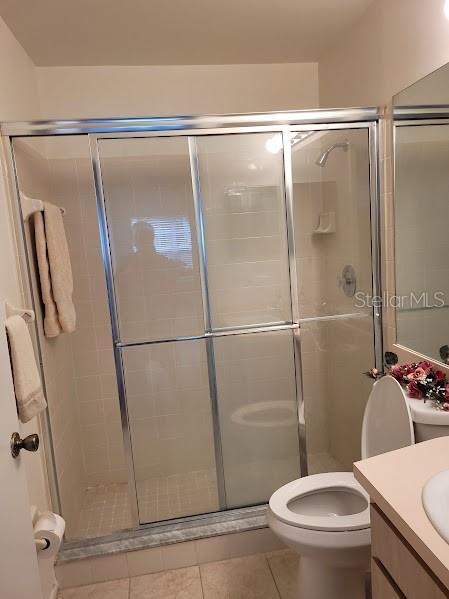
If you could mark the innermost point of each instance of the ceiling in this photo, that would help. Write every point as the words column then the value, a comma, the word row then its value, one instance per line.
column 162, row 32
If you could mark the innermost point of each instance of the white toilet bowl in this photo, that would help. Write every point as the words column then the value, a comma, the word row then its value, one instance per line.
column 325, row 517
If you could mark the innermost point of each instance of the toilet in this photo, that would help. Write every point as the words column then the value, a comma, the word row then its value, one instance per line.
column 325, row 517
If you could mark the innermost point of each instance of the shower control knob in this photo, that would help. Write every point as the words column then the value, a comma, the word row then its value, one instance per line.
column 30, row 443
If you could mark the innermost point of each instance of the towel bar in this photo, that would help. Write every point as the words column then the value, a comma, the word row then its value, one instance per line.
column 27, row 315
column 32, row 205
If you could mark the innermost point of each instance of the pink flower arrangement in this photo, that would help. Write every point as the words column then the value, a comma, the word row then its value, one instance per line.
column 414, row 390
column 422, row 380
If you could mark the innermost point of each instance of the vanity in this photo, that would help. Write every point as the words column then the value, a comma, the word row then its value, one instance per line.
column 409, row 557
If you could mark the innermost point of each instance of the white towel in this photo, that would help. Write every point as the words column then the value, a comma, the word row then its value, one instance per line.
column 27, row 381
column 55, row 271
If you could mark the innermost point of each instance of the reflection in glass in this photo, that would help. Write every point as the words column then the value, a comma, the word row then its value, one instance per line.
column 172, row 238
column 421, row 241
column 151, row 222
column 256, row 389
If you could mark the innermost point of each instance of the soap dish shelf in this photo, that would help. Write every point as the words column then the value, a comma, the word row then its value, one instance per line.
column 326, row 223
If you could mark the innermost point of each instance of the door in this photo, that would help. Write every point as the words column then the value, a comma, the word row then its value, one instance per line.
column 244, row 206
column 19, row 576
column 201, row 303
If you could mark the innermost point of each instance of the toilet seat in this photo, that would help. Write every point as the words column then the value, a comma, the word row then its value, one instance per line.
column 328, row 482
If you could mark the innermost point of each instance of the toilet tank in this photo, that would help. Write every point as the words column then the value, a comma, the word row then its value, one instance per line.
column 428, row 423
column 425, row 432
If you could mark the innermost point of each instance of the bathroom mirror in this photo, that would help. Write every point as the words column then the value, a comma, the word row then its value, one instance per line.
column 421, row 215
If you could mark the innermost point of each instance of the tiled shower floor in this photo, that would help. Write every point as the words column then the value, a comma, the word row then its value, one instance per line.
column 106, row 508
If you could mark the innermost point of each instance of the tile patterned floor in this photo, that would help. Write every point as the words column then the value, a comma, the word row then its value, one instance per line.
column 269, row 576
column 106, row 508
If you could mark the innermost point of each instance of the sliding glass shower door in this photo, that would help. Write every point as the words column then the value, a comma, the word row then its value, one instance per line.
column 245, row 231
column 200, row 291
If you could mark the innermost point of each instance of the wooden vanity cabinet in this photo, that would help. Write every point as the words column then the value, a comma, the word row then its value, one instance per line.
column 396, row 569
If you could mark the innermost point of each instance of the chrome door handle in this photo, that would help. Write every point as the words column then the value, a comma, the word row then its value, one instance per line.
column 30, row 443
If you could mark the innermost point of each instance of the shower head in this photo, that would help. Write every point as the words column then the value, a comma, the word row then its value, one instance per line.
column 323, row 157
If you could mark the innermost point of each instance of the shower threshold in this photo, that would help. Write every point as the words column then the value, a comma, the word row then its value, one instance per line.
column 167, row 533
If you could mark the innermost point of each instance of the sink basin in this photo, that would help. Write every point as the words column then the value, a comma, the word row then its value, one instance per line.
column 435, row 499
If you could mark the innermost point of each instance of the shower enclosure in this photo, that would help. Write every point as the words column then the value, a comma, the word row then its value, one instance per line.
column 237, row 256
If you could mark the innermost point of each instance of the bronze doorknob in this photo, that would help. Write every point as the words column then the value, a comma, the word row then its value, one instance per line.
column 30, row 443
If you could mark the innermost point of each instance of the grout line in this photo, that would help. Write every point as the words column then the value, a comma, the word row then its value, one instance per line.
column 201, row 580
column 273, row 577
column 129, row 587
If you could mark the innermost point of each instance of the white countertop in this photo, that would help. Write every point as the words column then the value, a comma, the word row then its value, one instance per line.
column 394, row 481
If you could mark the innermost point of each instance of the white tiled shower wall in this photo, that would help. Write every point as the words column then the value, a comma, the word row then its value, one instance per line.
column 80, row 379
column 100, row 426
column 57, row 359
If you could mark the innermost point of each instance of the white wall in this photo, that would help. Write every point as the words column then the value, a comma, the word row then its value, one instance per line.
column 18, row 100
column 394, row 43
column 69, row 92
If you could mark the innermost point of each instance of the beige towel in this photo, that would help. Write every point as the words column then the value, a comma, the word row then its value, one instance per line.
column 55, row 271
column 51, row 322
column 27, row 381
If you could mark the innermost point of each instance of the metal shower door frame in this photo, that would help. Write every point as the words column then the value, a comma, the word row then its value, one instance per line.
column 210, row 332
column 284, row 123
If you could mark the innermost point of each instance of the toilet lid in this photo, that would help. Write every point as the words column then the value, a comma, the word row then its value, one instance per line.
column 387, row 423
